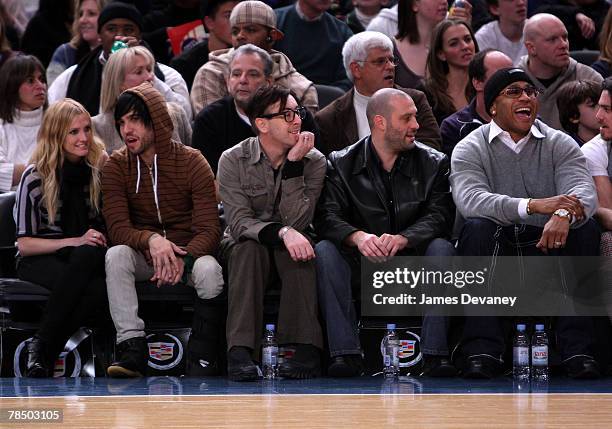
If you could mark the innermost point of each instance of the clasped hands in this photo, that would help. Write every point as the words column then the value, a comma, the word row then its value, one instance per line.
column 165, row 256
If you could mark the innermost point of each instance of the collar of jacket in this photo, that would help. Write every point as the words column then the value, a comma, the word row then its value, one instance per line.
column 364, row 158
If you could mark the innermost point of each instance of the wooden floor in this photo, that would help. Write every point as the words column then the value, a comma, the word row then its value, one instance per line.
column 325, row 411
column 361, row 402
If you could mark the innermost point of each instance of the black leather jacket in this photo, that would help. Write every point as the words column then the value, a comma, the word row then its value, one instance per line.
column 353, row 197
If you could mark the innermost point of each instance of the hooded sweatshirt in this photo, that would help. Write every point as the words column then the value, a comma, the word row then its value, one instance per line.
column 209, row 84
column 547, row 99
column 175, row 198
column 385, row 22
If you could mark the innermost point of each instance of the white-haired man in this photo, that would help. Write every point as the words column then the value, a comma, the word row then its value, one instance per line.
column 370, row 65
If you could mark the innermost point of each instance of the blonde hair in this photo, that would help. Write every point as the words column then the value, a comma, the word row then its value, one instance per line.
column 76, row 34
column 114, row 73
column 48, row 157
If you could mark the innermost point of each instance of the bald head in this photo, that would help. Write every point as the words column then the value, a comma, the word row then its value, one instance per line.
column 537, row 25
column 547, row 45
column 381, row 104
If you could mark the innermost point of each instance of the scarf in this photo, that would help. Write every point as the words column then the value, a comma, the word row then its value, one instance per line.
column 86, row 82
column 74, row 195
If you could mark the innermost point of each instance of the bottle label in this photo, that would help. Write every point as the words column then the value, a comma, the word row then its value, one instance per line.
column 521, row 356
column 270, row 355
column 391, row 356
column 539, row 355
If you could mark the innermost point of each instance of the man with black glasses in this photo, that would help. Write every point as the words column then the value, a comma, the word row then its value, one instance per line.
column 524, row 190
column 270, row 185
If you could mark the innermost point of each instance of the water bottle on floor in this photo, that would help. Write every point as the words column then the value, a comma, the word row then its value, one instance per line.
column 520, row 354
column 269, row 353
column 391, row 352
column 539, row 355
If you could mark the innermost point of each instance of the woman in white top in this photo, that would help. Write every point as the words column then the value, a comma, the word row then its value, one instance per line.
column 24, row 97
column 125, row 69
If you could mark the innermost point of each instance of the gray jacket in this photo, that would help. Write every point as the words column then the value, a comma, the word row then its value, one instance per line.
column 253, row 198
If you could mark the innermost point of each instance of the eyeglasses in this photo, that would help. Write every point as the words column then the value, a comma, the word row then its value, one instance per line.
column 381, row 62
column 288, row 114
column 517, row 91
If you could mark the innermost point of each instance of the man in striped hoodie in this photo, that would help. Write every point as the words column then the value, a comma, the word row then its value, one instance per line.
column 161, row 212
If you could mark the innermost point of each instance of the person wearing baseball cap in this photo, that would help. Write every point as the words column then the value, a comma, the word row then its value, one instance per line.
column 524, row 190
column 253, row 22
column 117, row 21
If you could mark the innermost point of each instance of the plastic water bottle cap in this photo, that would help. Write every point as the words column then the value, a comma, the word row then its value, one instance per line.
column 520, row 327
column 390, row 326
column 539, row 327
column 270, row 327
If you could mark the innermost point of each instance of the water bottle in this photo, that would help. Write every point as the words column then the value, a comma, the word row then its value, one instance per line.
column 269, row 354
column 391, row 352
column 520, row 351
column 539, row 355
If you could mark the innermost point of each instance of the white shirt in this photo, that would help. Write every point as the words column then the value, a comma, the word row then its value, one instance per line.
column 242, row 116
column 17, row 143
column 360, row 102
column 596, row 153
column 504, row 136
column 173, row 89
column 489, row 36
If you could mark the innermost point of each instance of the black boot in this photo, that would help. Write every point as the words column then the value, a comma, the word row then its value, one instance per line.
column 305, row 363
column 38, row 362
column 203, row 348
column 240, row 366
column 133, row 357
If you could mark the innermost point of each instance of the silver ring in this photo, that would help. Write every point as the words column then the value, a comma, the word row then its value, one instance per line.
column 558, row 243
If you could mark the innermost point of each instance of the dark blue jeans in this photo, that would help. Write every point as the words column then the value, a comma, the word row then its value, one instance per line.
column 336, row 302
column 482, row 237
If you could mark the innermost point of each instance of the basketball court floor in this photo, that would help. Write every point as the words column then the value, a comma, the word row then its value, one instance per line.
column 368, row 402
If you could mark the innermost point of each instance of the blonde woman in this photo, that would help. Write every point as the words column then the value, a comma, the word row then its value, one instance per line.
column 125, row 69
column 60, row 231
column 84, row 38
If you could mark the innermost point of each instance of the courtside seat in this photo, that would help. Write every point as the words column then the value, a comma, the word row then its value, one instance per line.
column 15, row 294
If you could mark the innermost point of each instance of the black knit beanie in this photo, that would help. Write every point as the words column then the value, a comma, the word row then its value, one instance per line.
column 501, row 79
column 118, row 9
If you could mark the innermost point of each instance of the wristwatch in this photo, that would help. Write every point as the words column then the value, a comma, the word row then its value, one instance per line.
column 563, row 213
column 283, row 231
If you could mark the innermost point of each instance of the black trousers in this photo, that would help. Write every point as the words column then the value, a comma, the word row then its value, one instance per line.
column 482, row 237
column 75, row 276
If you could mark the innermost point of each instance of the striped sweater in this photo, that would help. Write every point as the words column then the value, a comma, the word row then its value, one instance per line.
column 185, row 191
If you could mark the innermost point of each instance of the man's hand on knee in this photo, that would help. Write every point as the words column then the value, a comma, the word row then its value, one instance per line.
column 394, row 243
column 181, row 269
column 555, row 234
column 369, row 245
column 165, row 263
column 298, row 246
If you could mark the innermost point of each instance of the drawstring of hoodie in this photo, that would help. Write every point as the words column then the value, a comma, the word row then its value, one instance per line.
column 154, row 180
